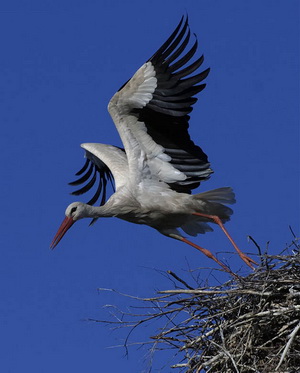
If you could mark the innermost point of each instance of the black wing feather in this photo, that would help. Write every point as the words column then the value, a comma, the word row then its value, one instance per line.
column 159, row 52
column 88, row 186
column 185, row 59
column 85, row 177
column 100, row 171
column 85, row 166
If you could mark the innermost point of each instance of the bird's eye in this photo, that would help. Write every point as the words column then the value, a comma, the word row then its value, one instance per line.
column 73, row 209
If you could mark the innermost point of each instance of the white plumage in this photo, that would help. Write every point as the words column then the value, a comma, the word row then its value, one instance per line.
column 160, row 165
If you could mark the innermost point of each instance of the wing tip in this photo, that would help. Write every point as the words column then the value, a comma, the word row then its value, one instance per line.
column 85, row 145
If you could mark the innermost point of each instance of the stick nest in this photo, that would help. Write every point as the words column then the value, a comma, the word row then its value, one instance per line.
column 248, row 324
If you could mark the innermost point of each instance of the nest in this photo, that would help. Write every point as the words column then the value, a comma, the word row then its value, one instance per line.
column 248, row 324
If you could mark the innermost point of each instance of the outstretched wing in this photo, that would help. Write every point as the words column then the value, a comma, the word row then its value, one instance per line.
column 104, row 163
column 151, row 114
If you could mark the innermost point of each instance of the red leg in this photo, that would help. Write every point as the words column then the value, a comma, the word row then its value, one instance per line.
column 218, row 221
column 208, row 254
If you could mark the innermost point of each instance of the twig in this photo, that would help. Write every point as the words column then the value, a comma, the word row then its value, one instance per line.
column 179, row 280
column 288, row 345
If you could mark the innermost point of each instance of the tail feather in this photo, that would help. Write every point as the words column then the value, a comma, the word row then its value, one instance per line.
column 223, row 212
column 220, row 195
column 193, row 228
column 215, row 201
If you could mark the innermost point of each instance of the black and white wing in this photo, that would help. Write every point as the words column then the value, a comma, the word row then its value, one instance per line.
column 151, row 113
column 104, row 163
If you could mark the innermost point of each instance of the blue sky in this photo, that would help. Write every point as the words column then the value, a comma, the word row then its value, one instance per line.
column 61, row 61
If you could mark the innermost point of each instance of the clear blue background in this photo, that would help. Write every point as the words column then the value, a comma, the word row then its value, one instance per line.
column 61, row 61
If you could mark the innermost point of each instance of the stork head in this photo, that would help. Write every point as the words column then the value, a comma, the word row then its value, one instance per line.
column 74, row 212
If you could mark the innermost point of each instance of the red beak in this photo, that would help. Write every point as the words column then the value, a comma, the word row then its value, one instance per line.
column 65, row 225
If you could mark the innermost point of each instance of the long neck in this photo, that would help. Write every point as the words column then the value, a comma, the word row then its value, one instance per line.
column 99, row 211
column 116, row 205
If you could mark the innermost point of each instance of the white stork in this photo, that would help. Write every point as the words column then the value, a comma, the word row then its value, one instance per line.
column 160, row 165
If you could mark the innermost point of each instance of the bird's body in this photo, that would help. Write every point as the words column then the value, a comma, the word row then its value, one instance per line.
column 162, row 209
column 149, row 200
column 160, row 165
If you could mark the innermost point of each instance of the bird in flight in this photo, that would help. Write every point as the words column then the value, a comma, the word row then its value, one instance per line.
column 159, row 166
